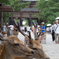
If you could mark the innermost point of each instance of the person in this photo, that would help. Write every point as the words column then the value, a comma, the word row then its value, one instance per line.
column 38, row 29
column 7, row 23
column 52, row 31
column 22, row 28
column 56, row 32
column 25, row 29
column 42, row 29
column 9, row 32
column 28, row 28
column 4, row 27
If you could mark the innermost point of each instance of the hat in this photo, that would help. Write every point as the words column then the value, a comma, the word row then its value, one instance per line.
column 56, row 21
column 42, row 23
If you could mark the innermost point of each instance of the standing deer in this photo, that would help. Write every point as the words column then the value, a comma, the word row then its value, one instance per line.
column 34, row 44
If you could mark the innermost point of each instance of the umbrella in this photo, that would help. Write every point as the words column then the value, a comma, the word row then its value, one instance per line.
column 57, row 18
column 48, row 24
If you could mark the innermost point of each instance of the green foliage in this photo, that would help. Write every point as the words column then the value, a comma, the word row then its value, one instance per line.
column 49, row 10
column 5, row 2
column 6, row 16
column 18, row 4
column 17, row 20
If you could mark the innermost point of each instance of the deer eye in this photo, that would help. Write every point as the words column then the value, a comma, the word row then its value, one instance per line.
column 16, row 44
column 34, row 48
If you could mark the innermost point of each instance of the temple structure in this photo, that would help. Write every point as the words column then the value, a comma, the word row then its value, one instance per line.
column 28, row 13
column 4, row 9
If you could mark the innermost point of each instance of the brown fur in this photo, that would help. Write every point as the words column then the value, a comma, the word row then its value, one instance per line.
column 39, row 53
column 10, row 50
column 2, row 51
column 4, row 33
column 15, row 32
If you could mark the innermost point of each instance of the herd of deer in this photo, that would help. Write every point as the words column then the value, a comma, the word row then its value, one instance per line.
column 13, row 47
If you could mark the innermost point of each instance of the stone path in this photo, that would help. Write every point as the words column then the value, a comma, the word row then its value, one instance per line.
column 50, row 48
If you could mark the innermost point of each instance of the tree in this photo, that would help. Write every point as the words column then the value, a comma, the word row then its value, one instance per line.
column 49, row 10
column 18, row 4
column 5, row 2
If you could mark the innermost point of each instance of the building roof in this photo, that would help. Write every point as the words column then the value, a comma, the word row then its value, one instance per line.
column 5, row 8
column 30, row 9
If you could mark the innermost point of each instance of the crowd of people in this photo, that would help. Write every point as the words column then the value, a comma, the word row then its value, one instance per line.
column 9, row 29
column 40, row 28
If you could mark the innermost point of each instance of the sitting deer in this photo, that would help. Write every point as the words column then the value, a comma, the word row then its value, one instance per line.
column 14, row 47
column 33, row 44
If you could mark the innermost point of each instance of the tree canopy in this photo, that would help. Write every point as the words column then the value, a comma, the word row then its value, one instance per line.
column 5, row 2
column 18, row 4
column 49, row 10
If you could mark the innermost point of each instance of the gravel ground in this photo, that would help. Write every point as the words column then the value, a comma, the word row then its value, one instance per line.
column 50, row 48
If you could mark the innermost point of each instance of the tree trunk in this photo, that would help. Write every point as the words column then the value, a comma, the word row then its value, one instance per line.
column 2, row 19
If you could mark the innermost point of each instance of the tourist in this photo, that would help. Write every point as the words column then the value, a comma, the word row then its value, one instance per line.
column 22, row 28
column 42, row 29
column 28, row 28
column 25, row 29
column 4, row 27
column 56, row 32
column 10, row 30
column 52, row 31
column 38, row 29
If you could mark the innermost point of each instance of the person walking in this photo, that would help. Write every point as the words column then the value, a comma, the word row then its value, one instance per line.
column 52, row 31
column 56, row 32
column 42, row 29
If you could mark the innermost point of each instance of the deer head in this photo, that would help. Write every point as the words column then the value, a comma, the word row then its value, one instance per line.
column 14, row 47
column 34, row 44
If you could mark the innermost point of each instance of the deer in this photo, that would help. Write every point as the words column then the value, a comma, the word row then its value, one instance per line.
column 33, row 44
column 14, row 47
